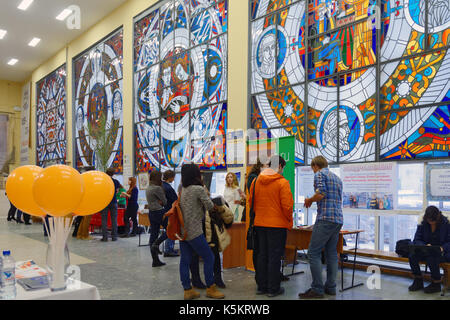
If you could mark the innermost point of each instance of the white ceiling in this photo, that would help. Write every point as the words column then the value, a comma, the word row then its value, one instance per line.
column 39, row 21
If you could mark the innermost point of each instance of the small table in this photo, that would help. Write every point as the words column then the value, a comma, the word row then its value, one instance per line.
column 77, row 291
column 301, row 236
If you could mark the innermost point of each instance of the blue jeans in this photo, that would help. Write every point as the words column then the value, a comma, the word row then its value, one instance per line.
column 156, row 221
column 201, row 247
column 112, row 208
column 325, row 235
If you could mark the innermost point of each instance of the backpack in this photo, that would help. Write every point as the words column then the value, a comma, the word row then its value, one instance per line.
column 175, row 224
column 402, row 248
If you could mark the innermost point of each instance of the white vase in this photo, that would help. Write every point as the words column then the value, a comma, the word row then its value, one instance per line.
column 58, row 261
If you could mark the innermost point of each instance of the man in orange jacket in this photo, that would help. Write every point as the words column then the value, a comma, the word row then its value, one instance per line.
column 273, row 209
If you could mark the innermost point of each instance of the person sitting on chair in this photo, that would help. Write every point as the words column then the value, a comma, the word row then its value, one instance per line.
column 433, row 231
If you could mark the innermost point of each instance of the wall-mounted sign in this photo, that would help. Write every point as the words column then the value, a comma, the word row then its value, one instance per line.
column 438, row 182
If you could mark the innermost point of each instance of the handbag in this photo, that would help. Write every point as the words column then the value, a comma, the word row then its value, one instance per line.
column 251, row 232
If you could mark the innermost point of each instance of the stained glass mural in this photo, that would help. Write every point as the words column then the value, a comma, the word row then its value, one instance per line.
column 334, row 68
column 98, row 94
column 180, row 84
column 51, row 143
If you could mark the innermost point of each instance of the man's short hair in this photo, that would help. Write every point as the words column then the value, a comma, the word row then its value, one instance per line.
column 110, row 171
column 320, row 162
column 276, row 161
column 169, row 174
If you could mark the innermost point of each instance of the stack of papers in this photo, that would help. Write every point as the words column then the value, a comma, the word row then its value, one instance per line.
column 36, row 283
column 29, row 269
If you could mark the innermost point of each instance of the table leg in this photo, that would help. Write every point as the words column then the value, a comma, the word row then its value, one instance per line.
column 353, row 272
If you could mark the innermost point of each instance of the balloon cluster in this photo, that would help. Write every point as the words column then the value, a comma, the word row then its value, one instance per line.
column 59, row 190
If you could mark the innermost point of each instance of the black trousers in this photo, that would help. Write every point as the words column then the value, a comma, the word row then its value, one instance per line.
column 76, row 224
column 12, row 211
column 131, row 213
column 432, row 261
column 271, row 246
column 195, row 268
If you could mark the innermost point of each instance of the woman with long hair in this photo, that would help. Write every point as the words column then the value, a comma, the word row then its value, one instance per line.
column 156, row 200
column 194, row 202
column 232, row 194
column 132, row 208
column 433, row 231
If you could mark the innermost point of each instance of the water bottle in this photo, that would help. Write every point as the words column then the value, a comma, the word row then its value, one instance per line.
column 1, row 281
column 8, row 277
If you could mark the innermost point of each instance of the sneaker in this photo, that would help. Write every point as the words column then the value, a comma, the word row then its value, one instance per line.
column 104, row 239
column 114, row 239
column 433, row 287
column 213, row 293
column 416, row 285
column 310, row 294
column 191, row 294
column 274, row 294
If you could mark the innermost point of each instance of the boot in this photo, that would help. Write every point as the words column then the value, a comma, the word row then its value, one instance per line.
column 191, row 294
column 156, row 262
column 433, row 287
column 416, row 285
column 213, row 293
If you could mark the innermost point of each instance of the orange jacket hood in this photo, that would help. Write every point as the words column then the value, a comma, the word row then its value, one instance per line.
column 274, row 202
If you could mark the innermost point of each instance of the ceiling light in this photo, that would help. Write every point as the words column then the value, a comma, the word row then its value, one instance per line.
column 13, row 62
column 25, row 4
column 34, row 42
column 2, row 33
column 64, row 14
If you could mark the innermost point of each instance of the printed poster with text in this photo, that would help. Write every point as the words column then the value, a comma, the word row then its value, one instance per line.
column 370, row 185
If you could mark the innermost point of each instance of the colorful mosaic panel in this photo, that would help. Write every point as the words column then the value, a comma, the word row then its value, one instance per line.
column 341, row 116
column 179, row 78
column 51, row 143
column 98, row 95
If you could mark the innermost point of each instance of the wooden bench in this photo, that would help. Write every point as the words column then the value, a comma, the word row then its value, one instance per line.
column 392, row 256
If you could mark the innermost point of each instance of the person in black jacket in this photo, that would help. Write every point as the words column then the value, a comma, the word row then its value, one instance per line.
column 433, row 231
column 171, row 196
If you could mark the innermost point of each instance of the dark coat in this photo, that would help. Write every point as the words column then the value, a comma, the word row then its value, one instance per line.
column 171, row 195
column 423, row 236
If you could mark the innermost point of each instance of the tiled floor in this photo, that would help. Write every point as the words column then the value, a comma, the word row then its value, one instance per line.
column 122, row 270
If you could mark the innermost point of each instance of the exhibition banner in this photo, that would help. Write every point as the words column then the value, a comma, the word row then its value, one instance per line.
column 370, row 185
column 235, row 148
column 438, row 182
column 25, row 124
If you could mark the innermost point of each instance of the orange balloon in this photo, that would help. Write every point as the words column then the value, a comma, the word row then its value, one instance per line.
column 99, row 193
column 19, row 188
column 58, row 190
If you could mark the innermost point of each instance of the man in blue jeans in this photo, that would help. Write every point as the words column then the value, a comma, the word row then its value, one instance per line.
column 325, row 234
column 112, row 208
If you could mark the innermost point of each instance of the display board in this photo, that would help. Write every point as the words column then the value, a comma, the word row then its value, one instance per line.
column 51, row 135
column 370, row 185
column 438, row 182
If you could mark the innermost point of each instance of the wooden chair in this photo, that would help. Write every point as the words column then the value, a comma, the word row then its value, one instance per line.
column 143, row 221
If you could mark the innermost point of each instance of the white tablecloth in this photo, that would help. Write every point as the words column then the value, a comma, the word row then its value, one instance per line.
column 76, row 291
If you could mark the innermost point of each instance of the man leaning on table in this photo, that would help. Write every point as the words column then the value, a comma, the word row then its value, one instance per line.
column 325, row 234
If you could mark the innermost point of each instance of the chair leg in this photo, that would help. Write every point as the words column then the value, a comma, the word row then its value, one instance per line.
column 295, row 259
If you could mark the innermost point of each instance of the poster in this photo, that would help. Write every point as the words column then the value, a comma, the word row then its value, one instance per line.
column 438, row 182
column 305, row 183
column 370, row 185
column 235, row 148
column 25, row 124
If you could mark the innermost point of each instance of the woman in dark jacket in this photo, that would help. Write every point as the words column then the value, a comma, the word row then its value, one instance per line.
column 156, row 199
column 433, row 231
column 132, row 208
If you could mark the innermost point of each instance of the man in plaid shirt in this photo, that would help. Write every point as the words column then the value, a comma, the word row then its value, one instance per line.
column 325, row 235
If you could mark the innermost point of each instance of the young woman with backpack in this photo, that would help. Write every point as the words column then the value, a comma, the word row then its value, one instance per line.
column 194, row 202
